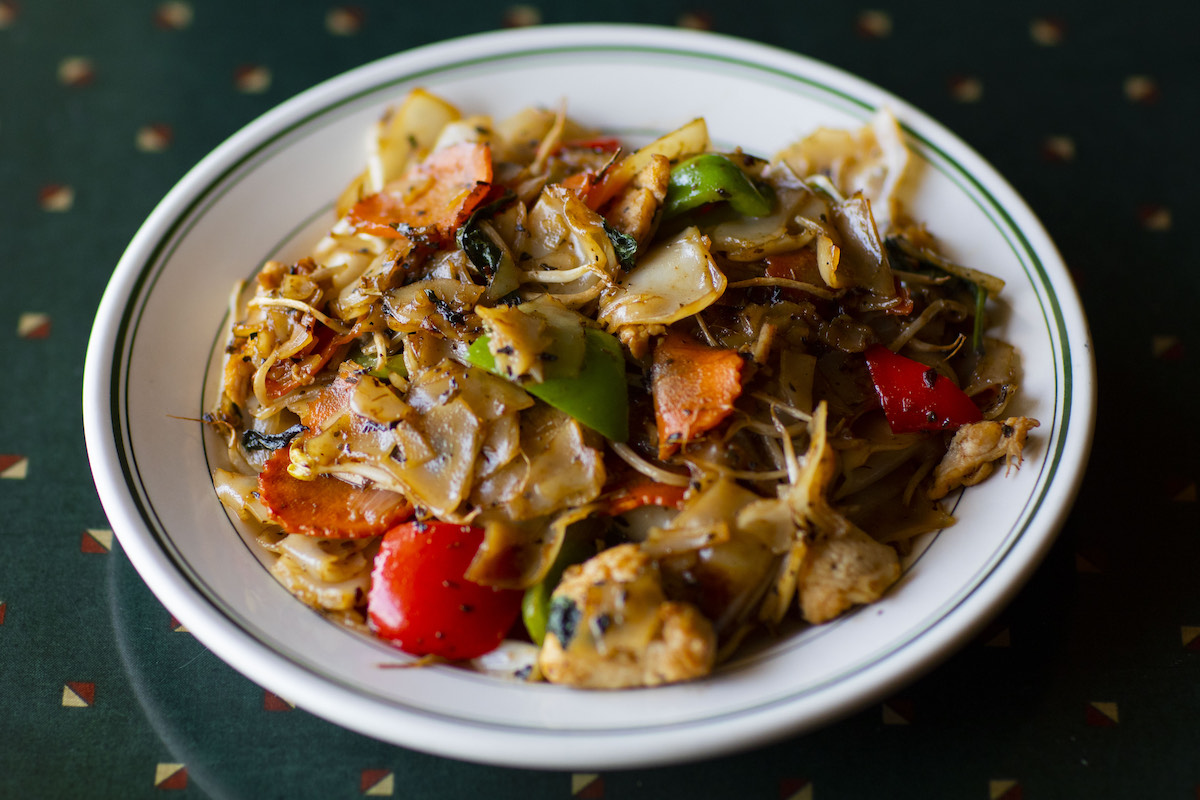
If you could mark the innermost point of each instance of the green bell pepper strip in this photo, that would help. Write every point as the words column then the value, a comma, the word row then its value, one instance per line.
column 712, row 178
column 393, row 364
column 597, row 396
column 535, row 605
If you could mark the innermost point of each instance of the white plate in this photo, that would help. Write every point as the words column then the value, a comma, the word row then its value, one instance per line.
column 267, row 192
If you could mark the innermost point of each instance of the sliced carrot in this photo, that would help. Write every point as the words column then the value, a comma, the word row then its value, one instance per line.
column 694, row 388
column 435, row 197
column 325, row 506
column 332, row 401
column 795, row 265
column 300, row 370
column 587, row 183
column 609, row 185
column 644, row 493
column 331, row 405
column 582, row 184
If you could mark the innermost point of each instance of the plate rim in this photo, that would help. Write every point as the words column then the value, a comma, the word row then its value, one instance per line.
column 127, row 285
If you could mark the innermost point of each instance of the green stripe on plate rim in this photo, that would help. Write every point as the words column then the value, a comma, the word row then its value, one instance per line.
column 220, row 184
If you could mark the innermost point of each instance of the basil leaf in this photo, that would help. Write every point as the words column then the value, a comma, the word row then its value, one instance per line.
column 563, row 620
column 485, row 254
column 445, row 309
column 253, row 440
column 624, row 245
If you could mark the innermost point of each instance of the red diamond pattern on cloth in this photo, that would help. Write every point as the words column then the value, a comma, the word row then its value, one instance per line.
column 899, row 711
column 8, row 13
column 1181, row 490
column 1154, row 217
column 966, row 88
column 56, row 197
column 1058, row 148
column 995, row 634
column 170, row 776
column 173, row 16
column 1087, row 564
column 1101, row 714
column 154, row 138
column 13, row 467
column 873, row 24
column 79, row 72
column 76, row 71
column 695, row 20
column 96, row 540
column 345, row 20
column 1167, row 348
column 795, row 789
column 1047, row 31
column 587, row 786
column 1003, row 638
column 377, row 783
column 273, row 702
column 1004, row 790
column 78, row 694
column 252, row 79
column 1141, row 89
column 521, row 16
column 33, row 325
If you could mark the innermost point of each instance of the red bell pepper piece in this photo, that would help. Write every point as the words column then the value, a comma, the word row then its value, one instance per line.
column 420, row 601
column 915, row 397
column 598, row 144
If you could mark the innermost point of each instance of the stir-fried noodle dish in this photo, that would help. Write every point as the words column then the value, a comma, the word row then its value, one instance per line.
column 559, row 408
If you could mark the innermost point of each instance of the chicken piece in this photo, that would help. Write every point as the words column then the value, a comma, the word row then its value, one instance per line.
column 841, row 571
column 639, row 338
column 974, row 448
column 517, row 340
column 635, row 210
column 611, row 627
column 842, row 565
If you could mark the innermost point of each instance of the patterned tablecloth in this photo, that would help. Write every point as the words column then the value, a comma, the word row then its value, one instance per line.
column 1088, row 685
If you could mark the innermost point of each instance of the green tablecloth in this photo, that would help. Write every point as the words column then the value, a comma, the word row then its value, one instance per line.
column 1088, row 685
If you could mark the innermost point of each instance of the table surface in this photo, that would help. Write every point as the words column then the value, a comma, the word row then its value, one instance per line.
column 1087, row 685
